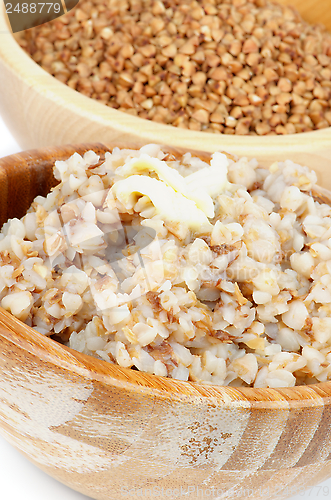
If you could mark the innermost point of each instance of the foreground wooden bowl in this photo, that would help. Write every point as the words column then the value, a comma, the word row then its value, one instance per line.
column 41, row 111
column 114, row 433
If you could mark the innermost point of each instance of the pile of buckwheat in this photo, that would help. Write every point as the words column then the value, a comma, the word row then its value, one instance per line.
column 242, row 67
column 215, row 272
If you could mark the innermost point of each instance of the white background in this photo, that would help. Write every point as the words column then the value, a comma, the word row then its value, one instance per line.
column 20, row 480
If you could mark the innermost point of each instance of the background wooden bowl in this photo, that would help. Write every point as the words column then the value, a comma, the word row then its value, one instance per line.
column 42, row 111
column 113, row 433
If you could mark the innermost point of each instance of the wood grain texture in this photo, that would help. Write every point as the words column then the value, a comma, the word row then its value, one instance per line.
column 312, row 11
column 41, row 111
column 106, row 431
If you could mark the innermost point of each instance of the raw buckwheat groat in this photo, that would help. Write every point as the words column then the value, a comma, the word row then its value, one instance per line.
column 232, row 66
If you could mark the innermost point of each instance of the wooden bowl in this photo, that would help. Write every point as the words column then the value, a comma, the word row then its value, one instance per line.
column 114, row 433
column 41, row 111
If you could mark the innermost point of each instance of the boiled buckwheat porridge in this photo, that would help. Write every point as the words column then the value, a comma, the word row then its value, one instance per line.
column 216, row 273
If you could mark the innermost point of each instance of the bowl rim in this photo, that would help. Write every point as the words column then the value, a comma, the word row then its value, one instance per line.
column 27, row 70
column 25, row 338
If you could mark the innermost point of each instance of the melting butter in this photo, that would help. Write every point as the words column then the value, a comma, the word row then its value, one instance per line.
column 214, row 179
column 175, row 198
column 171, row 177
column 170, row 205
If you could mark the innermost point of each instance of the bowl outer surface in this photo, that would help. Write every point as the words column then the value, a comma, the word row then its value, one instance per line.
column 111, row 432
column 41, row 111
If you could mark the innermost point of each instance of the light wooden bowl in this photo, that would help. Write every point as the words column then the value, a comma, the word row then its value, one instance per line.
column 41, row 111
column 113, row 433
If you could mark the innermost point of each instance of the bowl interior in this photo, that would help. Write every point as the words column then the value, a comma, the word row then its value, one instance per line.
column 31, row 171
column 313, row 11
